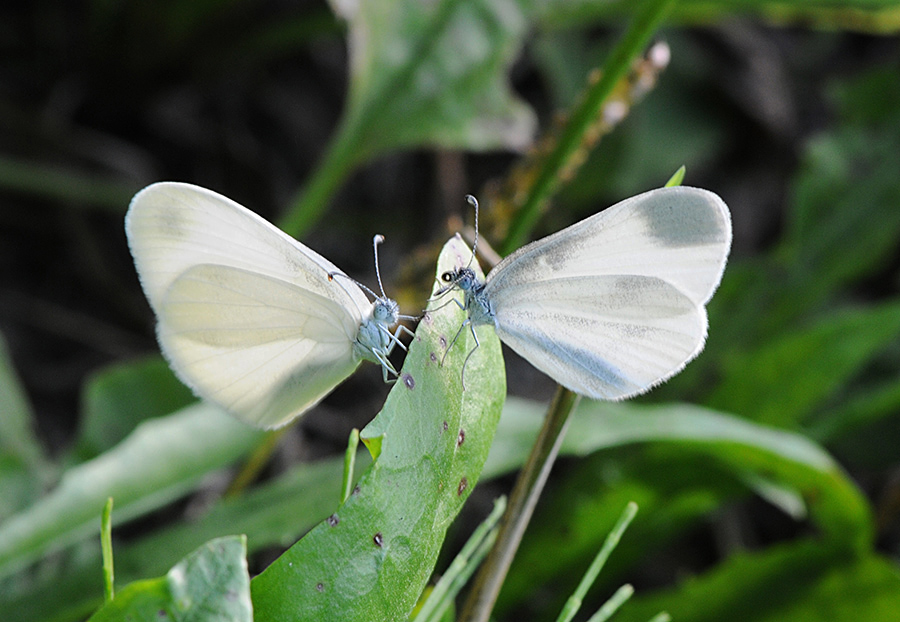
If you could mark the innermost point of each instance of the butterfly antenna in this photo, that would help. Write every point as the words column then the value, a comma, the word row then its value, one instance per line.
column 474, row 203
column 362, row 286
column 378, row 239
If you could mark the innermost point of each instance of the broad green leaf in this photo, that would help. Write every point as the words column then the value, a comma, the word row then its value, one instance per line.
column 784, row 459
column 422, row 73
column 159, row 462
column 691, row 462
column 274, row 514
column 671, row 499
column 785, row 379
column 801, row 582
column 209, row 585
column 435, row 73
column 118, row 398
column 372, row 558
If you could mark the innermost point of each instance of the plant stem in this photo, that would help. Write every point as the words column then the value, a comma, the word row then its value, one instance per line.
column 524, row 496
column 107, row 551
column 617, row 65
column 339, row 160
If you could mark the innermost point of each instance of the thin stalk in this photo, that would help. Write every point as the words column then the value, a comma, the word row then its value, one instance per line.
column 526, row 491
column 612, row 540
column 617, row 65
column 107, row 551
column 256, row 462
column 340, row 159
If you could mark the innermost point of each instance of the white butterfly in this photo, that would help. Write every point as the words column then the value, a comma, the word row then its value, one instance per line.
column 615, row 304
column 248, row 317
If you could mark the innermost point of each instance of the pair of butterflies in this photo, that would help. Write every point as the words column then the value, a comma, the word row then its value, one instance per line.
column 263, row 326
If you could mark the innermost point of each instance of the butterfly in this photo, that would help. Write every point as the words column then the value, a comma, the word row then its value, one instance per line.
column 248, row 317
column 612, row 305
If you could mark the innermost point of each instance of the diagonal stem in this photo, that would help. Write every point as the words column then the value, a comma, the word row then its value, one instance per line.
column 528, row 488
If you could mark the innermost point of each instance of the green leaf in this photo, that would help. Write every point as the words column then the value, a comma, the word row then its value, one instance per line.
column 156, row 464
column 753, row 451
column 785, row 379
column 119, row 397
column 800, row 582
column 23, row 467
column 211, row 584
column 17, row 438
column 675, row 488
column 435, row 73
column 373, row 557
column 875, row 16
column 274, row 514
column 692, row 461
column 422, row 73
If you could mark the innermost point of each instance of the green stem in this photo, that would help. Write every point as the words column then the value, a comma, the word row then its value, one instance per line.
column 107, row 551
column 339, row 161
column 524, row 496
column 617, row 65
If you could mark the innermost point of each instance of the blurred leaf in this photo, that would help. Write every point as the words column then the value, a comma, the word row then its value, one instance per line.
column 422, row 73
column 680, row 123
column 274, row 514
column 782, row 381
column 876, row 16
column 693, row 461
column 209, row 584
column 118, row 398
column 372, row 558
column 23, row 468
column 17, row 438
column 159, row 462
column 782, row 458
column 435, row 73
column 800, row 582
column 78, row 188
column 845, row 222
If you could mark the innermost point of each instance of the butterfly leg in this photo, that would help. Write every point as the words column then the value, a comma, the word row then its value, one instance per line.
column 453, row 341
column 395, row 337
column 387, row 367
column 471, row 352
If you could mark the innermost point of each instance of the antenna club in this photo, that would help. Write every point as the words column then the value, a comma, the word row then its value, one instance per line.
column 472, row 201
column 378, row 239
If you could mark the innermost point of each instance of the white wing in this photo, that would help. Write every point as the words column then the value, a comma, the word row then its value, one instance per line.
column 614, row 304
column 681, row 235
column 607, row 337
column 247, row 316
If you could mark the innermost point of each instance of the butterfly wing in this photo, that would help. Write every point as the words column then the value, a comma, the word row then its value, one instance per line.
column 607, row 337
column 681, row 235
column 614, row 304
column 247, row 316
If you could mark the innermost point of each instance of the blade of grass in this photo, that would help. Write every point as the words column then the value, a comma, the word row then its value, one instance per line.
column 462, row 567
column 574, row 603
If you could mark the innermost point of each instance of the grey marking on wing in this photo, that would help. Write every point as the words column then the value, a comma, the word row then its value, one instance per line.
column 683, row 219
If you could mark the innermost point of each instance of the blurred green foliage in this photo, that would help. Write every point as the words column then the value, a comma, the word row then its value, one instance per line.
column 770, row 498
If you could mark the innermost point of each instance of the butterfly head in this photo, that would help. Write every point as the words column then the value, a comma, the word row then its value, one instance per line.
column 463, row 278
column 385, row 311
